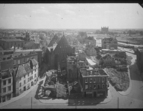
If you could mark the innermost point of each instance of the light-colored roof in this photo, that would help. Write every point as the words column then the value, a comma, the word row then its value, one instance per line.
column 90, row 62
column 52, row 47
column 34, row 62
column 21, row 71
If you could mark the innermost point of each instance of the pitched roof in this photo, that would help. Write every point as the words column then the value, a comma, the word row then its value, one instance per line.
column 63, row 42
column 27, row 67
column 54, row 40
column 5, row 74
column 21, row 71
column 34, row 62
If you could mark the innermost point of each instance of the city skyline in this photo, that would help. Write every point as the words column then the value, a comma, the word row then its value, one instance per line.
column 71, row 16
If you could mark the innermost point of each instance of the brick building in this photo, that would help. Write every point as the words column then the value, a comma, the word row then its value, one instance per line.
column 93, row 81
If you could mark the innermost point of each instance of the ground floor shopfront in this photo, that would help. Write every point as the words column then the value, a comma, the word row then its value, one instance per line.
column 95, row 93
column 6, row 97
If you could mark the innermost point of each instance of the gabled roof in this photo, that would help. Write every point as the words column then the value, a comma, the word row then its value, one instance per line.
column 27, row 67
column 54, row 40
column 21, row 71
column 34, row 62
column 5, row 74
column 63, row 42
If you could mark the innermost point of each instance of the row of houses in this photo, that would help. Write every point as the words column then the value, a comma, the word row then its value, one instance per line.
column 18, row 72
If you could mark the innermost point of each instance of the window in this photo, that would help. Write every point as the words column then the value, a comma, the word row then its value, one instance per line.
column 86, row 80
column 103, row 86
column 98, row 86
column 20, row 84
column 90, row 80
column 4, row 82
column 3, row 99
column 18, row 61
column 94, row 80
column 103, row 79
column 94, row 86
column 9, row 81
column 24, row 81
column 15, row 62
column 32, row 83
column 4, row 90
column 90, row 86
column 8, row 96
column 9, row 88
column 86, row 86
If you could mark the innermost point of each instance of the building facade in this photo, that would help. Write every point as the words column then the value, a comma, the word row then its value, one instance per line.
column 8, row 44
column 72, row 72
column 26, row 76
column 104, row 30
column 6, row 78
column 93, row 81
column 109, row 43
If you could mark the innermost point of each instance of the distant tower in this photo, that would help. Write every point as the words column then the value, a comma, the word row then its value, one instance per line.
column 27, row 36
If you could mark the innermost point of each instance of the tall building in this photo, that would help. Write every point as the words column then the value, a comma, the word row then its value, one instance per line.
column 104, row 30
column 6, row 78
column 26, row 76
column 93, row 81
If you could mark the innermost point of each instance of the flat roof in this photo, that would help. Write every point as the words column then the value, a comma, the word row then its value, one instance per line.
column 100, row 72
column 9, row 40
column 27, row 50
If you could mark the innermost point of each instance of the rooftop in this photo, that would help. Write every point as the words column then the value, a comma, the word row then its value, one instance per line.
column 5, row 74
column 21, row 71
column 11, row 40
column 90, row 72
column 27, row 50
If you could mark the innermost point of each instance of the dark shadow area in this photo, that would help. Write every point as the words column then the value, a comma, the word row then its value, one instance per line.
column 38, row 88
column 134, row 72
column 78, row 100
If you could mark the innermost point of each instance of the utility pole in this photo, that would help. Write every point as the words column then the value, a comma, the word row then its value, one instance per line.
column 118, row 102
column 31, row 102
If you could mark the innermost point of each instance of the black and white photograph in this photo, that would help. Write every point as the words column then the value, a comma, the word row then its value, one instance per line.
column 71, row 56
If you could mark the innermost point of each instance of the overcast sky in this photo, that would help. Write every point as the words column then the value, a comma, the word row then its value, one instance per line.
column 83, row 16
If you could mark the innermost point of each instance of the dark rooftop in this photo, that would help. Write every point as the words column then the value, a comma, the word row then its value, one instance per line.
column 11, row 40
column 5, row 74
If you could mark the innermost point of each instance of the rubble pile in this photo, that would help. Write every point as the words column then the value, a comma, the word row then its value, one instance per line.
column 119, row 80
column 60, row 90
